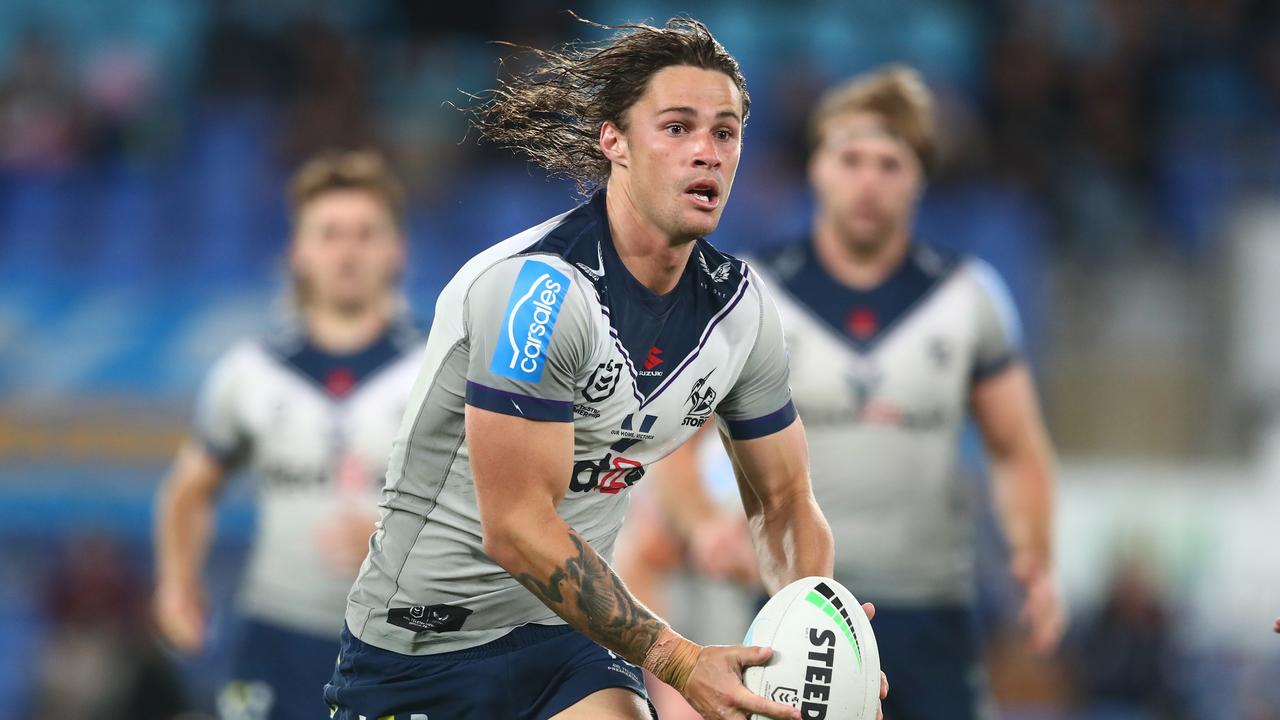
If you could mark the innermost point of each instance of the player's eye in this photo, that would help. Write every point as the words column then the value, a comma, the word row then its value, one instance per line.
column 675, row 129
column 724, row 134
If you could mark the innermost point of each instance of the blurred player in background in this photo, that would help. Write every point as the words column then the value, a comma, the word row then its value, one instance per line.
column 891, row 343
column 562, row 362
column 312, row 409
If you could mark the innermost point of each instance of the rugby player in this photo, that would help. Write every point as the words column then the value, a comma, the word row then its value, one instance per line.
column 312, row 410
column 892, row 342
column 562, row 362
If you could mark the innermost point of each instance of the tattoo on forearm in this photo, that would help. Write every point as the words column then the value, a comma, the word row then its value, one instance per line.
column 586, row 591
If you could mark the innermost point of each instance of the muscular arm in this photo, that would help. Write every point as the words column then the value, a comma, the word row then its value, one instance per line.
column 1021, row 458
column 791, row 535
column 183, row 528
column 521, row 470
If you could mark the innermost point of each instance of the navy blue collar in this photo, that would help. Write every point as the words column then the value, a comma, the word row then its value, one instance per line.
column 340, row 374
column 657, row 333
column 863, row 316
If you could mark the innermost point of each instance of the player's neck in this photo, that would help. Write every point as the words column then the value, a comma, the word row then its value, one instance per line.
column 860, row 271
column 341, row 333
column 648, row 254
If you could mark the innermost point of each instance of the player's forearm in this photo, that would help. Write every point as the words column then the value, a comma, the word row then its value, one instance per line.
column 184, row 522
column 1024, row 489
column 793, row 541
column 563, row 571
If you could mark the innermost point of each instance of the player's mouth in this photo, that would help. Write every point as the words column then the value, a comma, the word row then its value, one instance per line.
column 705, row 194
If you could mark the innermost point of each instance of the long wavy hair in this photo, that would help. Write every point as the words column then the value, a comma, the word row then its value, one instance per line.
column 552, row 113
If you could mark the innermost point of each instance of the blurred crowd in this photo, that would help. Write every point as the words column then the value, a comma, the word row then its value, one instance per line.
column 143, row 144
column 1134, row 123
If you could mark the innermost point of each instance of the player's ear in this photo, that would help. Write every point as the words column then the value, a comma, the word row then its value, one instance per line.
column 613, row 143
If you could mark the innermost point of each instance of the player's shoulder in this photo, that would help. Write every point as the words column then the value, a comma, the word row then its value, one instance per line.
column 981, row 277
column 250, row 350
column 557, row 247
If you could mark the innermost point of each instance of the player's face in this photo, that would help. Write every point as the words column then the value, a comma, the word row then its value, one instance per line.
column 866, row 181
column 346, row 251
column 683, row 139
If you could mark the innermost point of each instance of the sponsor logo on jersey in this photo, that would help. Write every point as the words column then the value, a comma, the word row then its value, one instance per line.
column 701, row 400
column 530, row 320
column 631, row 432
column 429, row 618
column 610, row 474
column 654, row 359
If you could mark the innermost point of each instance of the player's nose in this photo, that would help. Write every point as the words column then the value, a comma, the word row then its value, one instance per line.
column 705, row 153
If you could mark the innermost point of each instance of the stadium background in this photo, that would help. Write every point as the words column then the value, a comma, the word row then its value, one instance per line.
column 1117, row 160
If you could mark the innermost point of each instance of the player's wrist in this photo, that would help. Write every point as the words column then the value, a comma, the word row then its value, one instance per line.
column 672, row 658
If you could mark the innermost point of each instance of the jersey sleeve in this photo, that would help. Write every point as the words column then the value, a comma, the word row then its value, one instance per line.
column 217, row 424
column 759, row 403
column 999, row 330
column 528, row 332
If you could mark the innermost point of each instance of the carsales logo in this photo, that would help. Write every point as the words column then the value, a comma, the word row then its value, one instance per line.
column 529, row 321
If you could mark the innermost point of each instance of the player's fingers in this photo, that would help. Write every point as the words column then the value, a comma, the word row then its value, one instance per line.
column 884, row 685
column 748, row 656
column 752, row 703
column 870, row 610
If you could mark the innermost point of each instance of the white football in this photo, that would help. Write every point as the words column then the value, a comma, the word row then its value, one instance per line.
column 825, row 660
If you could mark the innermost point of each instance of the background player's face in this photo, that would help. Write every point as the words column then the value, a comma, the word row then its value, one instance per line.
column 866, row 181
column 347, row 251
column 680, row 149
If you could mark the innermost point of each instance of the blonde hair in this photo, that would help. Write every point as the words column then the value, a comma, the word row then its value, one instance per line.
column 362, row 170
column 895, row 93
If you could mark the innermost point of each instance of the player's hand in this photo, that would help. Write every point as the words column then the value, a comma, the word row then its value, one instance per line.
column 180, row 613
column 715, row 688
column 1276, row 627
column 1042, row 613
column 721, row 548
column 345, row 540
column 870, row 610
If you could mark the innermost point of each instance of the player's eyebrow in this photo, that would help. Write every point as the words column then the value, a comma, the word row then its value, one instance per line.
column 686, row 110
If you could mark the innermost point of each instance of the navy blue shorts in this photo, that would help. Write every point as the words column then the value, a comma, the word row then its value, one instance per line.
column 276, row 674
column 931, row 658
column 532, row 673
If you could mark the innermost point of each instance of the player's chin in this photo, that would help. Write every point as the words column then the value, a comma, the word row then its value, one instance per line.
column 699, row 223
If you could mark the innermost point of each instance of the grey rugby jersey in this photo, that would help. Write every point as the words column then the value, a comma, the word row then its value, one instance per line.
column 549, row 325
column 882, row 380
column 315, row 429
